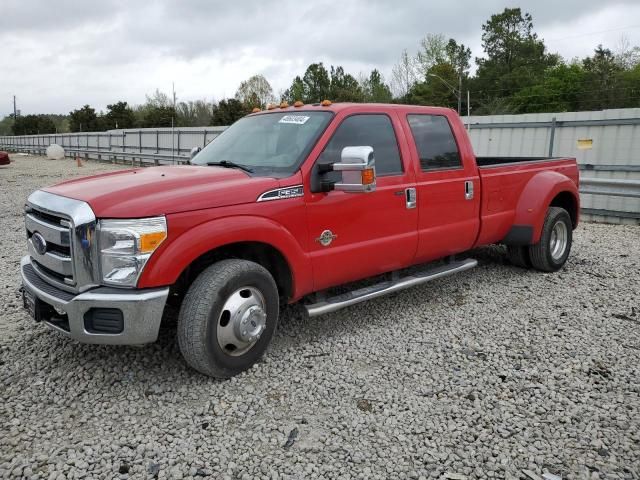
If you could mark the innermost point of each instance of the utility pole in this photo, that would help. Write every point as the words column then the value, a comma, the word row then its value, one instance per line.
column 468, row 112
column 173, row 88
column 15, row 114
column 460, row 90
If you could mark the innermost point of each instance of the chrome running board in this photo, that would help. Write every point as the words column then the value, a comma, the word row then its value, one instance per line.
column 384, row 288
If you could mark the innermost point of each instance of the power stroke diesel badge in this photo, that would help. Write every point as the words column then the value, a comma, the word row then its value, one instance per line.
column 326, row 238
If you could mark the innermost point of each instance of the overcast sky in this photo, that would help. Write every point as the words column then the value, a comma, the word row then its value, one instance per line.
column 59, row 55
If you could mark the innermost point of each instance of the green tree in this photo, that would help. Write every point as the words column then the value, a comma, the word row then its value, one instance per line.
column 157, row 116
column 295, row 92
column 228, row 111
column 560, row 91
column 602, row 80
column 194, row 113
column 458, row 56
column 404, row 75
column 6, row 125
column 83, row 120
column 629, row 88
column 375, row 90
column 256, row 91
column 433, row 50
column 343, row 87
column 317, row 85
column 119, row 115
column 434, row 91
column 33, row 124
column 516, row 58
column 157, row 111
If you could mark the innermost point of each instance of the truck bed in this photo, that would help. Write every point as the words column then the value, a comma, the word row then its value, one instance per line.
column 503, row 182
column 493, row 161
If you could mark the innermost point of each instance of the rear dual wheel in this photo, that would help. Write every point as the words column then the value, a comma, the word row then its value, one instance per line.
column 552, row 251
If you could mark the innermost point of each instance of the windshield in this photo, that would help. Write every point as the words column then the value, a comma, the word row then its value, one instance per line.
column 271, row 144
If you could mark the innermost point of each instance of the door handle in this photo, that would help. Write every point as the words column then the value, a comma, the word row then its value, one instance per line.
column 410, row 197
column 468, row 189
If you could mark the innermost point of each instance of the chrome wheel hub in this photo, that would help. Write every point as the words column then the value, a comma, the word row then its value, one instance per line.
column 242, row 320
column 558, row 241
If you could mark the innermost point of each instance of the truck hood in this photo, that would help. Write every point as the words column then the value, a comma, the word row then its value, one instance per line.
column 146, row 192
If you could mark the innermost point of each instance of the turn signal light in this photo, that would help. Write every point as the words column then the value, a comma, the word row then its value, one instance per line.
column 368, row 176
column 298, row 104
column 326, row 103
column 150, row 241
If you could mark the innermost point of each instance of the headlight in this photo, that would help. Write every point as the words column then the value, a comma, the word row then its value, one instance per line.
column 126, row 245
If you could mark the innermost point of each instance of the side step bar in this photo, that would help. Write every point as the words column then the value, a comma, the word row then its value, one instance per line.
column 367, row 293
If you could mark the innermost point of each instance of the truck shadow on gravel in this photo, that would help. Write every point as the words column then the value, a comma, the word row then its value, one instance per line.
column 159, row 367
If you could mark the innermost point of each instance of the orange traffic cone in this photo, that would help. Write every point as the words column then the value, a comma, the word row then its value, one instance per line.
column 78, row 162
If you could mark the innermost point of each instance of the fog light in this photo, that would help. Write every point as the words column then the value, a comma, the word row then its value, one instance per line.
column 104, row 320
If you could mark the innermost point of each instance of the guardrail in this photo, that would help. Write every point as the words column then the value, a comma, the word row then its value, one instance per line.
column 154, row 154
column 147, row 145
column 116, row 156
column 611, row 187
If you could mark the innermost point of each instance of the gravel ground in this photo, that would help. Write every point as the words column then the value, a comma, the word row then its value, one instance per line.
column 498, row 373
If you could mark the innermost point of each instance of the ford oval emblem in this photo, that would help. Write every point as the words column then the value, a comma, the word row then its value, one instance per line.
column 39, row 243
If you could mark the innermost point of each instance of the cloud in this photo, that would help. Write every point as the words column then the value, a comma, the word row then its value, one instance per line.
column 60, row 55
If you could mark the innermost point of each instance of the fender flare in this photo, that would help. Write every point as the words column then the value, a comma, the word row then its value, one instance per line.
column 533, row 203
column 168, row 263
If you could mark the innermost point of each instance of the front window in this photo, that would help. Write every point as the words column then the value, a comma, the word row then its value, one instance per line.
column 272, row 144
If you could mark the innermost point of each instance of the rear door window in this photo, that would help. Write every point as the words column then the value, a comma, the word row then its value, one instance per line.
column 436, row 144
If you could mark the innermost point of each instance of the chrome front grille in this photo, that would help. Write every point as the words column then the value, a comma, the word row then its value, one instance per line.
column 55, row 264
column 61, row 241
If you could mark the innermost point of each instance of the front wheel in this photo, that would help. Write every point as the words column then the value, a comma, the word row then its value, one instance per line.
column 552, row 251
column 228, row 317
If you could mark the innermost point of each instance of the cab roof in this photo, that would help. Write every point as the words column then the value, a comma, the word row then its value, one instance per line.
column 358, row 107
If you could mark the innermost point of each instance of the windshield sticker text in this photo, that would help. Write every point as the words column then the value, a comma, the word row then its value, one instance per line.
column 295, row 119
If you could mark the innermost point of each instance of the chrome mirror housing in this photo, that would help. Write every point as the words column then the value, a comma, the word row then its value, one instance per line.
column 194, row 152
column 357, row 165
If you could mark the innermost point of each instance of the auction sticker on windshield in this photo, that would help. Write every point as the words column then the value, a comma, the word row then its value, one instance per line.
column 295, row 119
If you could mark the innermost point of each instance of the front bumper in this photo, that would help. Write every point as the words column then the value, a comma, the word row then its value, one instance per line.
column 141, row 309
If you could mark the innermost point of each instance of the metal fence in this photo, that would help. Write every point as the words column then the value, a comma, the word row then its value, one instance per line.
column 606, row 144
column 154, row 146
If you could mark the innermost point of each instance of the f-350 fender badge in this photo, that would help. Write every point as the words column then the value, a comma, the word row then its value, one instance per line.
column 326, row 238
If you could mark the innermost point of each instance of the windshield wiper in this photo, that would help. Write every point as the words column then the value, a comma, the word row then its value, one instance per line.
column 228, row 164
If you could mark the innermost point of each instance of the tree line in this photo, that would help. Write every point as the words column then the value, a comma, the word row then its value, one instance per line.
column 517, row 74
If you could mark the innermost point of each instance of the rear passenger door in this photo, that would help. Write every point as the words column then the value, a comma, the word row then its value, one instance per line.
column 447, row 189
column 370, row 233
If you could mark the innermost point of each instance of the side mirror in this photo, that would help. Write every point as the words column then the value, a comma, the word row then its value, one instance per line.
column 194, row 152
column 357, row 165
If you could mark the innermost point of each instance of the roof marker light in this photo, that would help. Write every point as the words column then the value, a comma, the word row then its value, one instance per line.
column 326, row 103
column 255, row 110
column 298, row 104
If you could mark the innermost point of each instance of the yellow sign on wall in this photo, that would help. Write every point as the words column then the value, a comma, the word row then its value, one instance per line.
column 585, row 143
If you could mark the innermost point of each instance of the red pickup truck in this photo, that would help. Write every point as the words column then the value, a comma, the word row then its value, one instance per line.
column 283, row 206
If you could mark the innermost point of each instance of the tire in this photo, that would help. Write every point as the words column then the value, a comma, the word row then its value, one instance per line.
column 519, row 256
column 228, row 299
column 552, row 251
